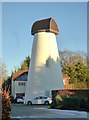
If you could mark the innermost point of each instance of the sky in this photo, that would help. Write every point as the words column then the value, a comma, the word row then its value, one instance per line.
column 17, row 20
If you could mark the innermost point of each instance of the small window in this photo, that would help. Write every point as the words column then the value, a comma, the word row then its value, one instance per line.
column 36, row 98
column 44, row 97
column 21, row 83
column 40, row 97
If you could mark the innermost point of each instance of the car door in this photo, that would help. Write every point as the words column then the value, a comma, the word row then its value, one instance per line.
column 40, row 100
column 35, row 100
column 44, row 99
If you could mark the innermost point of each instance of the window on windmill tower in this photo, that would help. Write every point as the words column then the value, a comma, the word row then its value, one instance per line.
column 47, row 63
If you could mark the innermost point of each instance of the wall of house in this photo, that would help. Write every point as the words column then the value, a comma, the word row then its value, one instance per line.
column 12, row 87
column 20, row 87
column 19, row 84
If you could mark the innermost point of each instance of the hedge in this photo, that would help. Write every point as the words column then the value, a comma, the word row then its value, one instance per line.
column 71, row 99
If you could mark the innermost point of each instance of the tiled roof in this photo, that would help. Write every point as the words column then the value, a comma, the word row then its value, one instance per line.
column 17, row 74
column 45, row 25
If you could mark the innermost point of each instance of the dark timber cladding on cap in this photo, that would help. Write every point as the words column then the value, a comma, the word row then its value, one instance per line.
column 45, row 25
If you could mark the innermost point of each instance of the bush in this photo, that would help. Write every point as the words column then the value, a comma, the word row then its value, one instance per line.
column 71, row 99
column 6, row 109
column 64, row 96
column 57, row 101
column 12, row 99
column 70, row 103
column 83, row 103
column 74, row 103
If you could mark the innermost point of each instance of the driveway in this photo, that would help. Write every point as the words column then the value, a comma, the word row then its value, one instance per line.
column 25, row 112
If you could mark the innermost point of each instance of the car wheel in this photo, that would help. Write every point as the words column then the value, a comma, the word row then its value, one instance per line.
column 29, row 103
column 46, row 103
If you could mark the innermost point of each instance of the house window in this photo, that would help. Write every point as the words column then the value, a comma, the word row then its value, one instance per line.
column 21, row 83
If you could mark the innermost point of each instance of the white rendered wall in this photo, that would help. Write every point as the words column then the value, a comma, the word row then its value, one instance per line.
column 41, row 78
column 16, row 88
column 20, row 88
column 13, row 87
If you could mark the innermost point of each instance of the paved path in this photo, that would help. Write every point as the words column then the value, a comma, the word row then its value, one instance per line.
column 41, row 111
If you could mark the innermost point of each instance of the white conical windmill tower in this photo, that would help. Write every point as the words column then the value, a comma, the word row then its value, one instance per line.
column 44, row 71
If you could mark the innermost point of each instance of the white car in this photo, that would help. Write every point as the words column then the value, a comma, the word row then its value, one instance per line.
column 19, row 99
column 40, row 100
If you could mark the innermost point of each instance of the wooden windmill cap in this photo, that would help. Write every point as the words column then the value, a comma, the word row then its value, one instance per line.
column 45, row 25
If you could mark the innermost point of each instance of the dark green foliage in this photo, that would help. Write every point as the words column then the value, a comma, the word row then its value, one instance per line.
column 64, row 96
column 71, row 103
column 74, row 103
column 12, row 99
column 25, row 64
column 71, row 100
column 83, row 103
column 7, row 84
column 74, row 64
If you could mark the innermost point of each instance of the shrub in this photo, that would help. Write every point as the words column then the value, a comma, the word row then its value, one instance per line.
column 12, row 99
column 58, row 99
column 74, row 103
column 70, row 103
column 64, row 96
column 71, row 99
column 5, row 106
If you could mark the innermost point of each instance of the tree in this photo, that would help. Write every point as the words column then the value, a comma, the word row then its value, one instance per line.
column 6, row 85
column 7, row 81
column 25, row 64
column 6, row 109
column 74, row 64
column 3, row 73
column 68, row 57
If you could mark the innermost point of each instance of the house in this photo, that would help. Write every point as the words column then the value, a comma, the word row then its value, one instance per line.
column 18, row 83
column 19, row 80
